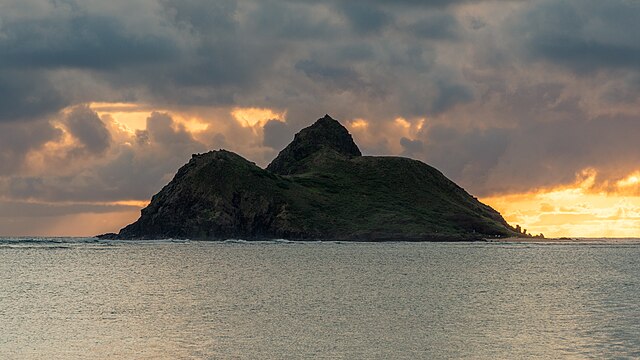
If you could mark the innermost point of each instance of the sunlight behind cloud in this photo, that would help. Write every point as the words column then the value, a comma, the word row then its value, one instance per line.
column 359, row 124
column 131, row 117
column 629, row 181
column 250, row 117
column 128, row 116
column 582, row 209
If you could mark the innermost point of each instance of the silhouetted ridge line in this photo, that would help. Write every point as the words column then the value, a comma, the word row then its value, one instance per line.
column 319, row 187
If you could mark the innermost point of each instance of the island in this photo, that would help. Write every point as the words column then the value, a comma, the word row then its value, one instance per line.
column 320, row 187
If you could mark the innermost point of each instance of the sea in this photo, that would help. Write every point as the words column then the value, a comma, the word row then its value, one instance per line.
column 84, row 298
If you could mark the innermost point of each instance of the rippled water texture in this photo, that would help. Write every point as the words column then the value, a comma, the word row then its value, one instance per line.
column 82, row 298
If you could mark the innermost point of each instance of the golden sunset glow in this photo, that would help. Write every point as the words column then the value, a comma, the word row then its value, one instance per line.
column 629, row 181
column 582, row 209
column 138, row 203
column 359, row 124
column 85, row 224
column 37, row 161
column 130, row 117
column 192, row 124
column 251, row 117
column 403, row 123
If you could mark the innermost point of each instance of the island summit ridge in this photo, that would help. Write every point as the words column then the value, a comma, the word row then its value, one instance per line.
column 319, row 187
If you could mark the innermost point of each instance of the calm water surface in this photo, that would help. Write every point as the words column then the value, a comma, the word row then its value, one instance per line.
column 82, row 298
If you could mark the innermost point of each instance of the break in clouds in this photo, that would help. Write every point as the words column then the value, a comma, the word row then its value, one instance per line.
column 502, row 96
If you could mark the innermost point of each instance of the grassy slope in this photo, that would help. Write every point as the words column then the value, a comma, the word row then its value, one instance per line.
column 220, row 195
column 388, row 197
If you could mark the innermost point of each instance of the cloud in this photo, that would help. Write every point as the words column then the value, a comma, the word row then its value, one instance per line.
column 411, row 146
column 133, row 170
column 503, row 96
column 201, row 15
column 539, row 154
column 469, row 155
column 583, row 36
column 224, row 53
column 365, row 17
column 449, row 94
column 436, row 26
column 72, row 37
column 18, row 139
column 85, row 125
column 30, row 219
column 284, row 22
column 27, row 95
column 277, row 134
column 24, row 209
column 162, row 130
column 334, row 76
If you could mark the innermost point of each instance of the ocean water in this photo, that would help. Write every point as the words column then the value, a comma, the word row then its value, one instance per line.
column 90, row 299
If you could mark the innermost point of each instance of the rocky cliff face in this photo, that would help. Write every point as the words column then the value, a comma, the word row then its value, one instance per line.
column 319, row 187
column 326, row 134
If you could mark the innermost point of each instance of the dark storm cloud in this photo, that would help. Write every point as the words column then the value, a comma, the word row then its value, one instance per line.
column 77, row 39
column 365, row 17
column 27, row 94
column 449, row 95
column 201, row 15
column 287, row 22
column 494, row 120
column 583, row 35
column 85, row 125
column 207, row 53
column 415, row 3
column 167, row 51
column 38, row 38
column 336, row 77
column 436, row 26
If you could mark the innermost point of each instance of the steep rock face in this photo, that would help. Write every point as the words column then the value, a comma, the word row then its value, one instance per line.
column 318, row 188
column 325, row 134
column 216, row 195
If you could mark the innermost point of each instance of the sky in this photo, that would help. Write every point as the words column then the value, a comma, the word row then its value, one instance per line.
column 532, row 106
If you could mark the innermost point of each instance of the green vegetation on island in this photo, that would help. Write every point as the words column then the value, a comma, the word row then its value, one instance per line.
column 318, row 188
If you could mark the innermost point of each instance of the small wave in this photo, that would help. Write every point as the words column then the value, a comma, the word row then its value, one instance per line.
column 283, row 241
column 82, row 240
column 261, row 242
column 31, row 247
column 33, row 240
column 235, row 241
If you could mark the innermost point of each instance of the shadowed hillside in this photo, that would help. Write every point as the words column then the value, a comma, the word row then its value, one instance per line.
column 319, row 187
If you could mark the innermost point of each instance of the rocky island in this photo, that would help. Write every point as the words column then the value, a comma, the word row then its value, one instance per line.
column 319, row 187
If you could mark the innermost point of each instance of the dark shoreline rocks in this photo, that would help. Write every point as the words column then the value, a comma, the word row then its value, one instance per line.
column 319, row 187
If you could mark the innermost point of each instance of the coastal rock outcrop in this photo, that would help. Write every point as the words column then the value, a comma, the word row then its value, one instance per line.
column 319, row 187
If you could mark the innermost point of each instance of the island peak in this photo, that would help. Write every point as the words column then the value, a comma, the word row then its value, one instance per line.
column 318, row 188
column 325, row 134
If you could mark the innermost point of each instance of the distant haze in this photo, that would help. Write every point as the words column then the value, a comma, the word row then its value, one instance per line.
column 533, row 106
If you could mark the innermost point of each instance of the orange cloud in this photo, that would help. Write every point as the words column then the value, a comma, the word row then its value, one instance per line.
column 588, row 207
column 582, row 209
column 129, row 116
column 251, row 116
column 372, row 135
